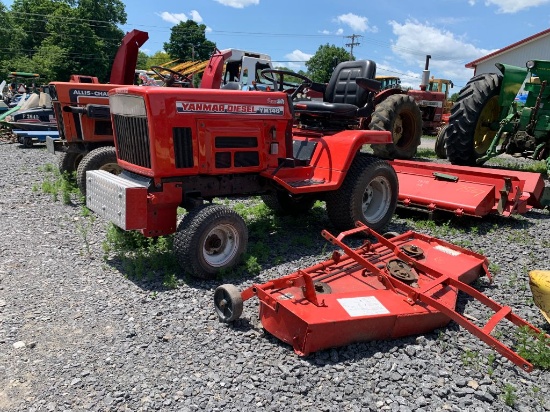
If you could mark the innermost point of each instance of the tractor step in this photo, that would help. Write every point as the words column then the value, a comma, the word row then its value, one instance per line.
column 396, row 287
column 470, row 191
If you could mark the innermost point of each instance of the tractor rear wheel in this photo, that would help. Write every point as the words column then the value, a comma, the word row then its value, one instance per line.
column 209, row 239
column 27, row 142
column 102, row 158
column 474, row 120
column 440, row 140
column 283, row 203
column 400, row 115
column 368, row 194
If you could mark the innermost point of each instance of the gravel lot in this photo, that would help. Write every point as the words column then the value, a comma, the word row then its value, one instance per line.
column 77, row 333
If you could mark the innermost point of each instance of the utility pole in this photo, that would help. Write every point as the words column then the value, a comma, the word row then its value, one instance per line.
column 353, row 42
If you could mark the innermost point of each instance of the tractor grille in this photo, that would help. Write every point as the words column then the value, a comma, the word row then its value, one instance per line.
column 59, row 118
column 132, row 135
column 183, row 147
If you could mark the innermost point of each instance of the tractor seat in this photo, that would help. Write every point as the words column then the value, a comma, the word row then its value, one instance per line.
column 350, row 89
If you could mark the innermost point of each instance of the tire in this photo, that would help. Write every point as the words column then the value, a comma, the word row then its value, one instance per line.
column 209, row 239
column 368, row 194
column 283, row 203
column 27, row 142
column 400, row 115
column 469, row 135
column 440, row 141
column 228, row 303
column 68, row 162
column 102, row 158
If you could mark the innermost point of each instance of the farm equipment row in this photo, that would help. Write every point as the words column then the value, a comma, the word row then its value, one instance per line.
column 181, row 147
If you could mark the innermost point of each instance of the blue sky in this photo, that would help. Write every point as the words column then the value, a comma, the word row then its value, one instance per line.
column 395, row 34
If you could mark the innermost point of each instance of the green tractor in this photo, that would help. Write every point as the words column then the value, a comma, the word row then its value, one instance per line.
column 486, row 119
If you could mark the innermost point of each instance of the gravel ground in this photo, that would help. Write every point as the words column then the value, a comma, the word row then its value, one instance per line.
column 76, row 333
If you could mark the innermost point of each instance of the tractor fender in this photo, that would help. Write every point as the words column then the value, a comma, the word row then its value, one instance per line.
column 329, row 162
column 513, row 78
column 384, row 94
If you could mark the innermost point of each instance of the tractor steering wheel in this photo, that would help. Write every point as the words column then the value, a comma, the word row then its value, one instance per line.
column 173, row 77
column 278, row 84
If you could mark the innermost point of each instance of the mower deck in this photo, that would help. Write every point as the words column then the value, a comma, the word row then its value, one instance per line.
column 397, row 287
column 473, row 191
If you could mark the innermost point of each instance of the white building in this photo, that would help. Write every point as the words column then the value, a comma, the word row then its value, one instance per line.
column 535, row 47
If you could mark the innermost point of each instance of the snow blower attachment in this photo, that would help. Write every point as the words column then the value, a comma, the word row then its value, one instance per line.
column 405, row 285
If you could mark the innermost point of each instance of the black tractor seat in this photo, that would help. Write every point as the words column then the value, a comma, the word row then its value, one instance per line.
column 348, row 94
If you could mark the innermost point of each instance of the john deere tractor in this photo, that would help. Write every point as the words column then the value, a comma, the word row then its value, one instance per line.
column 486, row 119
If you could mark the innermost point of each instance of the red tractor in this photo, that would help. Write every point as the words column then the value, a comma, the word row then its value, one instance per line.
column 433, row 100
column 185, row 147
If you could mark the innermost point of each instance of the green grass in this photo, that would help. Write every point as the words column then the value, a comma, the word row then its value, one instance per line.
column 509, row 396
column 534, row 347
column 60, row 186
column 142, row 258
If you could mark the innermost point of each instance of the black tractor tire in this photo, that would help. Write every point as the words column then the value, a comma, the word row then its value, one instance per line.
column 469, row 136
column 400, row 115
column 102, row 158
column 68, row 162
column 368, row 194
column 210, row 239
column 440, row 140
column 283, row 203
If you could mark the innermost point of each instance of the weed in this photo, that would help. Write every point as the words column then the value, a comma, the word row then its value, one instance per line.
column 533, row 346
column 57, row 184
column 470, row 358
column 141, row 256
column 490, row 364
column 494, row 268
column 509, row 395
column 252, row 265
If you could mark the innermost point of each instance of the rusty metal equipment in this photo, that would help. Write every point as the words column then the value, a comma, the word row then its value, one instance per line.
column 405, row 285
column 472, row 191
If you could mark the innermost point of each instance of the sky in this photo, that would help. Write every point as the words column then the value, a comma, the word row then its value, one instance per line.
column 397, row 35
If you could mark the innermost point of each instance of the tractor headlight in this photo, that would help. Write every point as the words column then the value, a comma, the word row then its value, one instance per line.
column 530, row 64
column 127, row 104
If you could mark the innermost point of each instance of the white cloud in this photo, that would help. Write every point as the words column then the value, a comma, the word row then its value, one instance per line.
column 195, row 16
column 296, row 57
column 513, row 6
column 239, row 4
column 357, row 23
column 339, row 32
column 449, row 52
column 174, row 18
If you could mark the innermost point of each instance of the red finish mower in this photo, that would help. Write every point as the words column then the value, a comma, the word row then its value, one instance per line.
column 405, row 285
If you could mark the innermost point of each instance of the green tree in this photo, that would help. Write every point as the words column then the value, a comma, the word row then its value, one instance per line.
column 188, row 42
column 323, row 62
column 142, row 60
column 158, row 59
column 84, row 32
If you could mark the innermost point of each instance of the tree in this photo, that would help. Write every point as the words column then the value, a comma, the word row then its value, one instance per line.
column 188, row 42
column 323, row 62
column 158, row 59
column 83, row 36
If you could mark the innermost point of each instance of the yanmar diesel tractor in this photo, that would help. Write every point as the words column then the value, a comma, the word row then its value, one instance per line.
column 185, row 147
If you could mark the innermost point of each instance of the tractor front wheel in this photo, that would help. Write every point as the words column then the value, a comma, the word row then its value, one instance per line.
column 68, row 162
column 102, row 158
column 440, row 141
column 368, row 194
column 474, row 120
column 283, row 203
column 209, row 239
column 400, row 115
